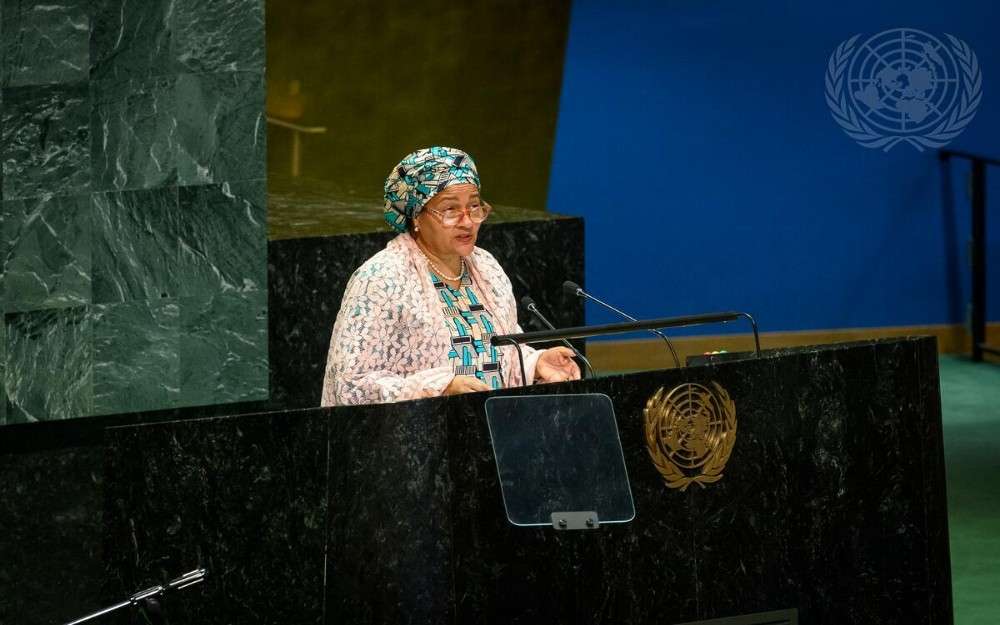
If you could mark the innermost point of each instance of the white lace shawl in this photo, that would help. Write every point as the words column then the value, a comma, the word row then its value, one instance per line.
column 390, row 341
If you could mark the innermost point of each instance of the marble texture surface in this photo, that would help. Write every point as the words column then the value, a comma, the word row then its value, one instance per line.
column 51, row 569
column 222, row 238
column 831, row 503
column 247, row 502
column 1, row 126
column 131, row 180
column 223, row 347
column 211, row 37
column 133, row 130
column 46, row 244
column 44, row 43
column 51, row 503
column 45, row 350
column 130, row 40
column 3, row 374
column 46, row 140
column 401, row 544
column 136, row 355
column 135, row 245
column 221, row 128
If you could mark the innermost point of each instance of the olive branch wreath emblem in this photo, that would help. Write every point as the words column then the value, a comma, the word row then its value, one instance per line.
column 661, row 407
column 857, row 128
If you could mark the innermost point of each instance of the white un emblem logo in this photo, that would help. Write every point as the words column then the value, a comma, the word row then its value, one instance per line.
column 903, row 85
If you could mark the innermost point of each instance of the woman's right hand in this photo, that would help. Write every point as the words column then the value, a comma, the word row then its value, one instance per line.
column 465, row 384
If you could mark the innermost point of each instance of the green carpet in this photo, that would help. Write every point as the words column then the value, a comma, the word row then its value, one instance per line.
column 970, row 399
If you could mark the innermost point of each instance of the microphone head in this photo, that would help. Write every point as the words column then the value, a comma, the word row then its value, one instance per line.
column 527, row 302
column 572, row 288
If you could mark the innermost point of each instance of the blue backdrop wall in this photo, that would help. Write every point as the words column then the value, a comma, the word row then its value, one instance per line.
column 695, row 139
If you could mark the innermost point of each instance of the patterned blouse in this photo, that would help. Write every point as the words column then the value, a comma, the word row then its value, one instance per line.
column 398, row 337
column 471, row 328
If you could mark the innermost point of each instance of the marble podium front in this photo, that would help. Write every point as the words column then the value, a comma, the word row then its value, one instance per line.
column 832, row 504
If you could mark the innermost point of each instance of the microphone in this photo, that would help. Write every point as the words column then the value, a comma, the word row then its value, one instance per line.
column 529, row 304
column 576, row 290
column 148, row 600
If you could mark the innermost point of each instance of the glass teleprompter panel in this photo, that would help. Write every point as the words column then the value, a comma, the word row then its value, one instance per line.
column 559, row 455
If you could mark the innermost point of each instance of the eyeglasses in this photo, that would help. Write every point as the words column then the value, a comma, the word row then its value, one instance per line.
column 450, row 217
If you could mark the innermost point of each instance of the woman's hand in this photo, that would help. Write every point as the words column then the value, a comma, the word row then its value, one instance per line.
column 465, row 384
column 556, row 365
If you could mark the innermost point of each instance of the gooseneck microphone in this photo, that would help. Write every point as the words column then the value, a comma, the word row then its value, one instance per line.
column 148, row 601
column 576, row 290
column 530, row 305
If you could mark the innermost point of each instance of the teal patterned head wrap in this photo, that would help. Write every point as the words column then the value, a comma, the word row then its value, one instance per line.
column 419, row 177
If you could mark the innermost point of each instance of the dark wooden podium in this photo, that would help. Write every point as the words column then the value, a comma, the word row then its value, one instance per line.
column 831, row 504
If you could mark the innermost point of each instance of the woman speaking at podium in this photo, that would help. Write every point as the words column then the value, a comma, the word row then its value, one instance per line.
column 416, row 317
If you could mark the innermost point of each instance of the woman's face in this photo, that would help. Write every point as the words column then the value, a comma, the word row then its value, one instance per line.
column 444, row 241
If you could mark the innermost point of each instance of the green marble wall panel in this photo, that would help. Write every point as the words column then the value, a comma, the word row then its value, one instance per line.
column 48, row 365
column 132, row 134
column 46, row 140
column 136, row 356
column 221, row 127
column 135, row 245
column 133, row 240
column 1, row 127
column 3, row 369
column 223, row 238
column 3, row 333
column 130, row 39
column 44, row 42
column 224, row 348
column 46, row 243
column 218, row 35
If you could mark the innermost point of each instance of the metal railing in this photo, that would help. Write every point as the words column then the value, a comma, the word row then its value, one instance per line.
column 297, row 132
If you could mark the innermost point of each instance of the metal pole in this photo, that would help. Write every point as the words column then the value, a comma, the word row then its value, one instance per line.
column 977, row 254
column 296, row 153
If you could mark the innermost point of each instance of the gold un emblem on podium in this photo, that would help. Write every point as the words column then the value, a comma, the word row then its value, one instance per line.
column 690, row 433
